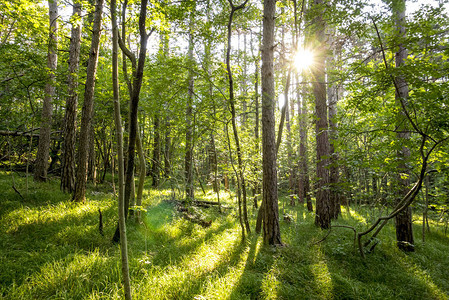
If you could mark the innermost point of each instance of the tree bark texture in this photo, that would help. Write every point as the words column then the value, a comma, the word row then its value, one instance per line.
column 323, row 208
column 240, row 178
column 332, row 92
column 41, row 164
column 133, row 106
column 271, row 230
column 404, row 229
column 142, row 174
column 68, row 161
column 92, row 164
column 167, row 144
column 188, row 162
column 87, row 112
column 156, row 161
column 121, row 167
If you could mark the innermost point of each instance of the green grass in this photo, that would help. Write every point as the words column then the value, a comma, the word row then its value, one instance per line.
column 50, row 248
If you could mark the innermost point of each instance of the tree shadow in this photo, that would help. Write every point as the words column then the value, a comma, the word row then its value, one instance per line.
column 49, row 240
column 258, row 263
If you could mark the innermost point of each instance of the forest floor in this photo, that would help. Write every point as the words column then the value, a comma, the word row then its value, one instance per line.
column 51, row 248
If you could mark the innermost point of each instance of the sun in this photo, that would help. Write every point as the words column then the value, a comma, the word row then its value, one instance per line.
column 303, row 59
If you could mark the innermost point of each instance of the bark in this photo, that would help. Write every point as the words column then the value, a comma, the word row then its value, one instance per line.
column 167, row 144
column 156, row 162
column 86, row 119
column 323, row 208
column 41, row 164
column 256, row 188
column 291, row 176
column 92, row 170
column 404, row 229
column 188, row 162
column 142, row 174
column 271, row 230
column 68, row 162
column 134, row 102
column 332, row 92
column 240, row 178
column 119, row 135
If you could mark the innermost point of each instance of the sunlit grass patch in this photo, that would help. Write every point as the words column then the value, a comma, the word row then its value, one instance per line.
column 74, row 276
column 52, row 249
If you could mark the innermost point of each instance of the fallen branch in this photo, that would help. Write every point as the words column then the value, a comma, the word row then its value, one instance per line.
column 28, row 134
column 14, row 188
column 197, row 220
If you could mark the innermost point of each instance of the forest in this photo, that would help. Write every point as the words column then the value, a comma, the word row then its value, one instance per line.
column 224, row 149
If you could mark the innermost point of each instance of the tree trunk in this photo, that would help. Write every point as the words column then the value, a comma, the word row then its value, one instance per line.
column 68, row 163
column 188, row 170
column 156, row 152
column 41, row 164
column 332, row 92
column 323, row 208
column 134, row 104
column 404, row 230
column 256, row 188
column 118, row 126
column 142, row 174
column 86, row 119
column 167, row 144
column 240, row 178
column 92, row 169
column 271, row 229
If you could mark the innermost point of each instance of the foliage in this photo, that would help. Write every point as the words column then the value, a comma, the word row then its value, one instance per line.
column 171, row 257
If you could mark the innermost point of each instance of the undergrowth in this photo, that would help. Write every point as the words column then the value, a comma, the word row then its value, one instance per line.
column 51, row 248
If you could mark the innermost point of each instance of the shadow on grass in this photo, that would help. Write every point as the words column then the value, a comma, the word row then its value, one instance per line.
column 27, row 247
column 258, row 263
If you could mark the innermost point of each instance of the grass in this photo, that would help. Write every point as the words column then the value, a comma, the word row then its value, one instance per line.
column 50, row 248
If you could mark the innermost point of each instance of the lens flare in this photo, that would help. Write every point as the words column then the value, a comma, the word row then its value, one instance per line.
column 303, row 59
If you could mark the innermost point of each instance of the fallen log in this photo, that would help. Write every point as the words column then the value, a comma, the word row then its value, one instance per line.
column 197, row 220
column 28, row 134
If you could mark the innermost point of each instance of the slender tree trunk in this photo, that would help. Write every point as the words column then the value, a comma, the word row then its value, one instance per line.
column 92, row 170
column 291, row 175
column 41, row 164
column 271, row 229
column 188, row 170
column 304, row 182
column 134, row 104
column 156, row 152
column 323, row 208
column 256, row 188
column 118, row 126
column 68, row 163
column 240, row 178
column 404, row 229
column 167, row 144
column 86, row 119
column 142, row 174
column 332, row 92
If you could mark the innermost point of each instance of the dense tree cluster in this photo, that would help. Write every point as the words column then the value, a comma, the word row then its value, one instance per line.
column 331, row 102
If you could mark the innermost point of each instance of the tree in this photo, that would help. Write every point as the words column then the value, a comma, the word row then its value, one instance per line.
column 121, row 167
column 41, row 164
column 135, row 86
column 188, row 159
column 241, row 185
column 271, row 229
column 323, row 208
column 86, row 119
column 68, row 161
column 333, row 95
column 404, row 229
column 156, row 161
